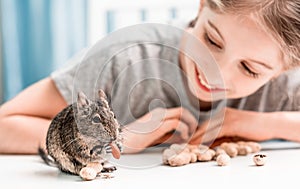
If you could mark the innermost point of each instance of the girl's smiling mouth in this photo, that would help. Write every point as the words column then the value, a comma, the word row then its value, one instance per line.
column 203, row 84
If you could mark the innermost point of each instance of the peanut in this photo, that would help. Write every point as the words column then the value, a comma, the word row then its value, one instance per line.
column 88, row 173
column 97, row 166
column 259, row 159
column 243, row 149
column 167, row 154
column 178, row 148
column 180, row 159
column 219, row 151
column 193, row 158
column 207, row 155
column 223, row 159
column 230, row 149
column 256, row 147
column 182, row 154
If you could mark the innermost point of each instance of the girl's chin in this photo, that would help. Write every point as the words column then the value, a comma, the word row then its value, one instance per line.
column 204, row 97
column 207, row 96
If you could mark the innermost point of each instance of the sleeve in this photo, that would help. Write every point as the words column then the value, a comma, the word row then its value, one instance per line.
column 296, row 97
column 63, row 77
column 284, row 92
column 87, row 71
column 294, row 84
column 280, row 94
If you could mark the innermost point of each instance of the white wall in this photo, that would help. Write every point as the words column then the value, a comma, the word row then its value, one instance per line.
column 105, row 16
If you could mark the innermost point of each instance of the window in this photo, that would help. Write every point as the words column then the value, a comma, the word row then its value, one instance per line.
column 105, row 16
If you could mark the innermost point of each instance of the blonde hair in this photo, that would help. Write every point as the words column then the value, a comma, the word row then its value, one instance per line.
column 281, row 18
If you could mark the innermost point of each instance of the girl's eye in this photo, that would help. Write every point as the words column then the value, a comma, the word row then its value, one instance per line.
column 211, row 41
column 249, row 71
column 96, row 119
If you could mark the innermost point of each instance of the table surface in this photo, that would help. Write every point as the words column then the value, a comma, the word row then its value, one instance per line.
column 145, row 170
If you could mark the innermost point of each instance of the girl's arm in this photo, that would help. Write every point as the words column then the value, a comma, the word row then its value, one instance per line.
column 250, row 125
column 171, row 125
column 24, row 120
column 286, row 125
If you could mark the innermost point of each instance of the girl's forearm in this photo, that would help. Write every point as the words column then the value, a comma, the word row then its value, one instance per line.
column 285, row 125
column 21, row 134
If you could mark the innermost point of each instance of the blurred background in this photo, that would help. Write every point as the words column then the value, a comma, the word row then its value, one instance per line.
column 38, row 36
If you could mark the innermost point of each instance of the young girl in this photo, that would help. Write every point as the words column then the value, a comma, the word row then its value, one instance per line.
column 155, row 90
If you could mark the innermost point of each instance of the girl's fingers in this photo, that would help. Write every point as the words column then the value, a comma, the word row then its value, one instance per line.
column 181, row 114
column 174, row 125
column 153, row 126
column 137, row 140
column 197, row 136
column 208, row 132
column 169, row 138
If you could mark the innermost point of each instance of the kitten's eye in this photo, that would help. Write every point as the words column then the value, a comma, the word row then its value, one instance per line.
column 96, row 119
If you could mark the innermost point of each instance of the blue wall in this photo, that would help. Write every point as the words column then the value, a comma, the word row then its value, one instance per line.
column 39, row 36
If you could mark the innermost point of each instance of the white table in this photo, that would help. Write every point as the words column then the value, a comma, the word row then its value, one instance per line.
column 145, row 170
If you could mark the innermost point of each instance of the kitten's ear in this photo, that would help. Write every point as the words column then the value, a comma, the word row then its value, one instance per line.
column 82, row 100
column 102, row 95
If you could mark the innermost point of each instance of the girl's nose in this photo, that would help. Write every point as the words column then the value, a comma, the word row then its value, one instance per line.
column 226, row 72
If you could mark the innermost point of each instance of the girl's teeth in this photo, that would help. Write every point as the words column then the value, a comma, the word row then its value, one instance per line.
column 205, row 84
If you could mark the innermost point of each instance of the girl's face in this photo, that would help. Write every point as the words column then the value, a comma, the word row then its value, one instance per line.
column 246, row 55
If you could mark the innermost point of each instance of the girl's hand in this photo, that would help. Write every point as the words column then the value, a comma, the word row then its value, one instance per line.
column 154, row 126
column 233, row 124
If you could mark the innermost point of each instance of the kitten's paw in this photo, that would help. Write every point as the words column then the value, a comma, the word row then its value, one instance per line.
column 120, row 146
column 107, row 168
column 108, row 149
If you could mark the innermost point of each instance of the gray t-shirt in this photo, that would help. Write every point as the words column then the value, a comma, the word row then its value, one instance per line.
column 138, row 69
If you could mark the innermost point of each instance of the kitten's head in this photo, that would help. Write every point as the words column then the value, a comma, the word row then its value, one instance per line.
column 96, row 122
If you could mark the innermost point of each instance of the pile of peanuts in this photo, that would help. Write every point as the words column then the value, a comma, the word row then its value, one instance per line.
column 182, row 154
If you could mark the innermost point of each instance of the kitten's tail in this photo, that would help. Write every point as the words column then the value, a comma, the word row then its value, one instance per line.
column 47, row 159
